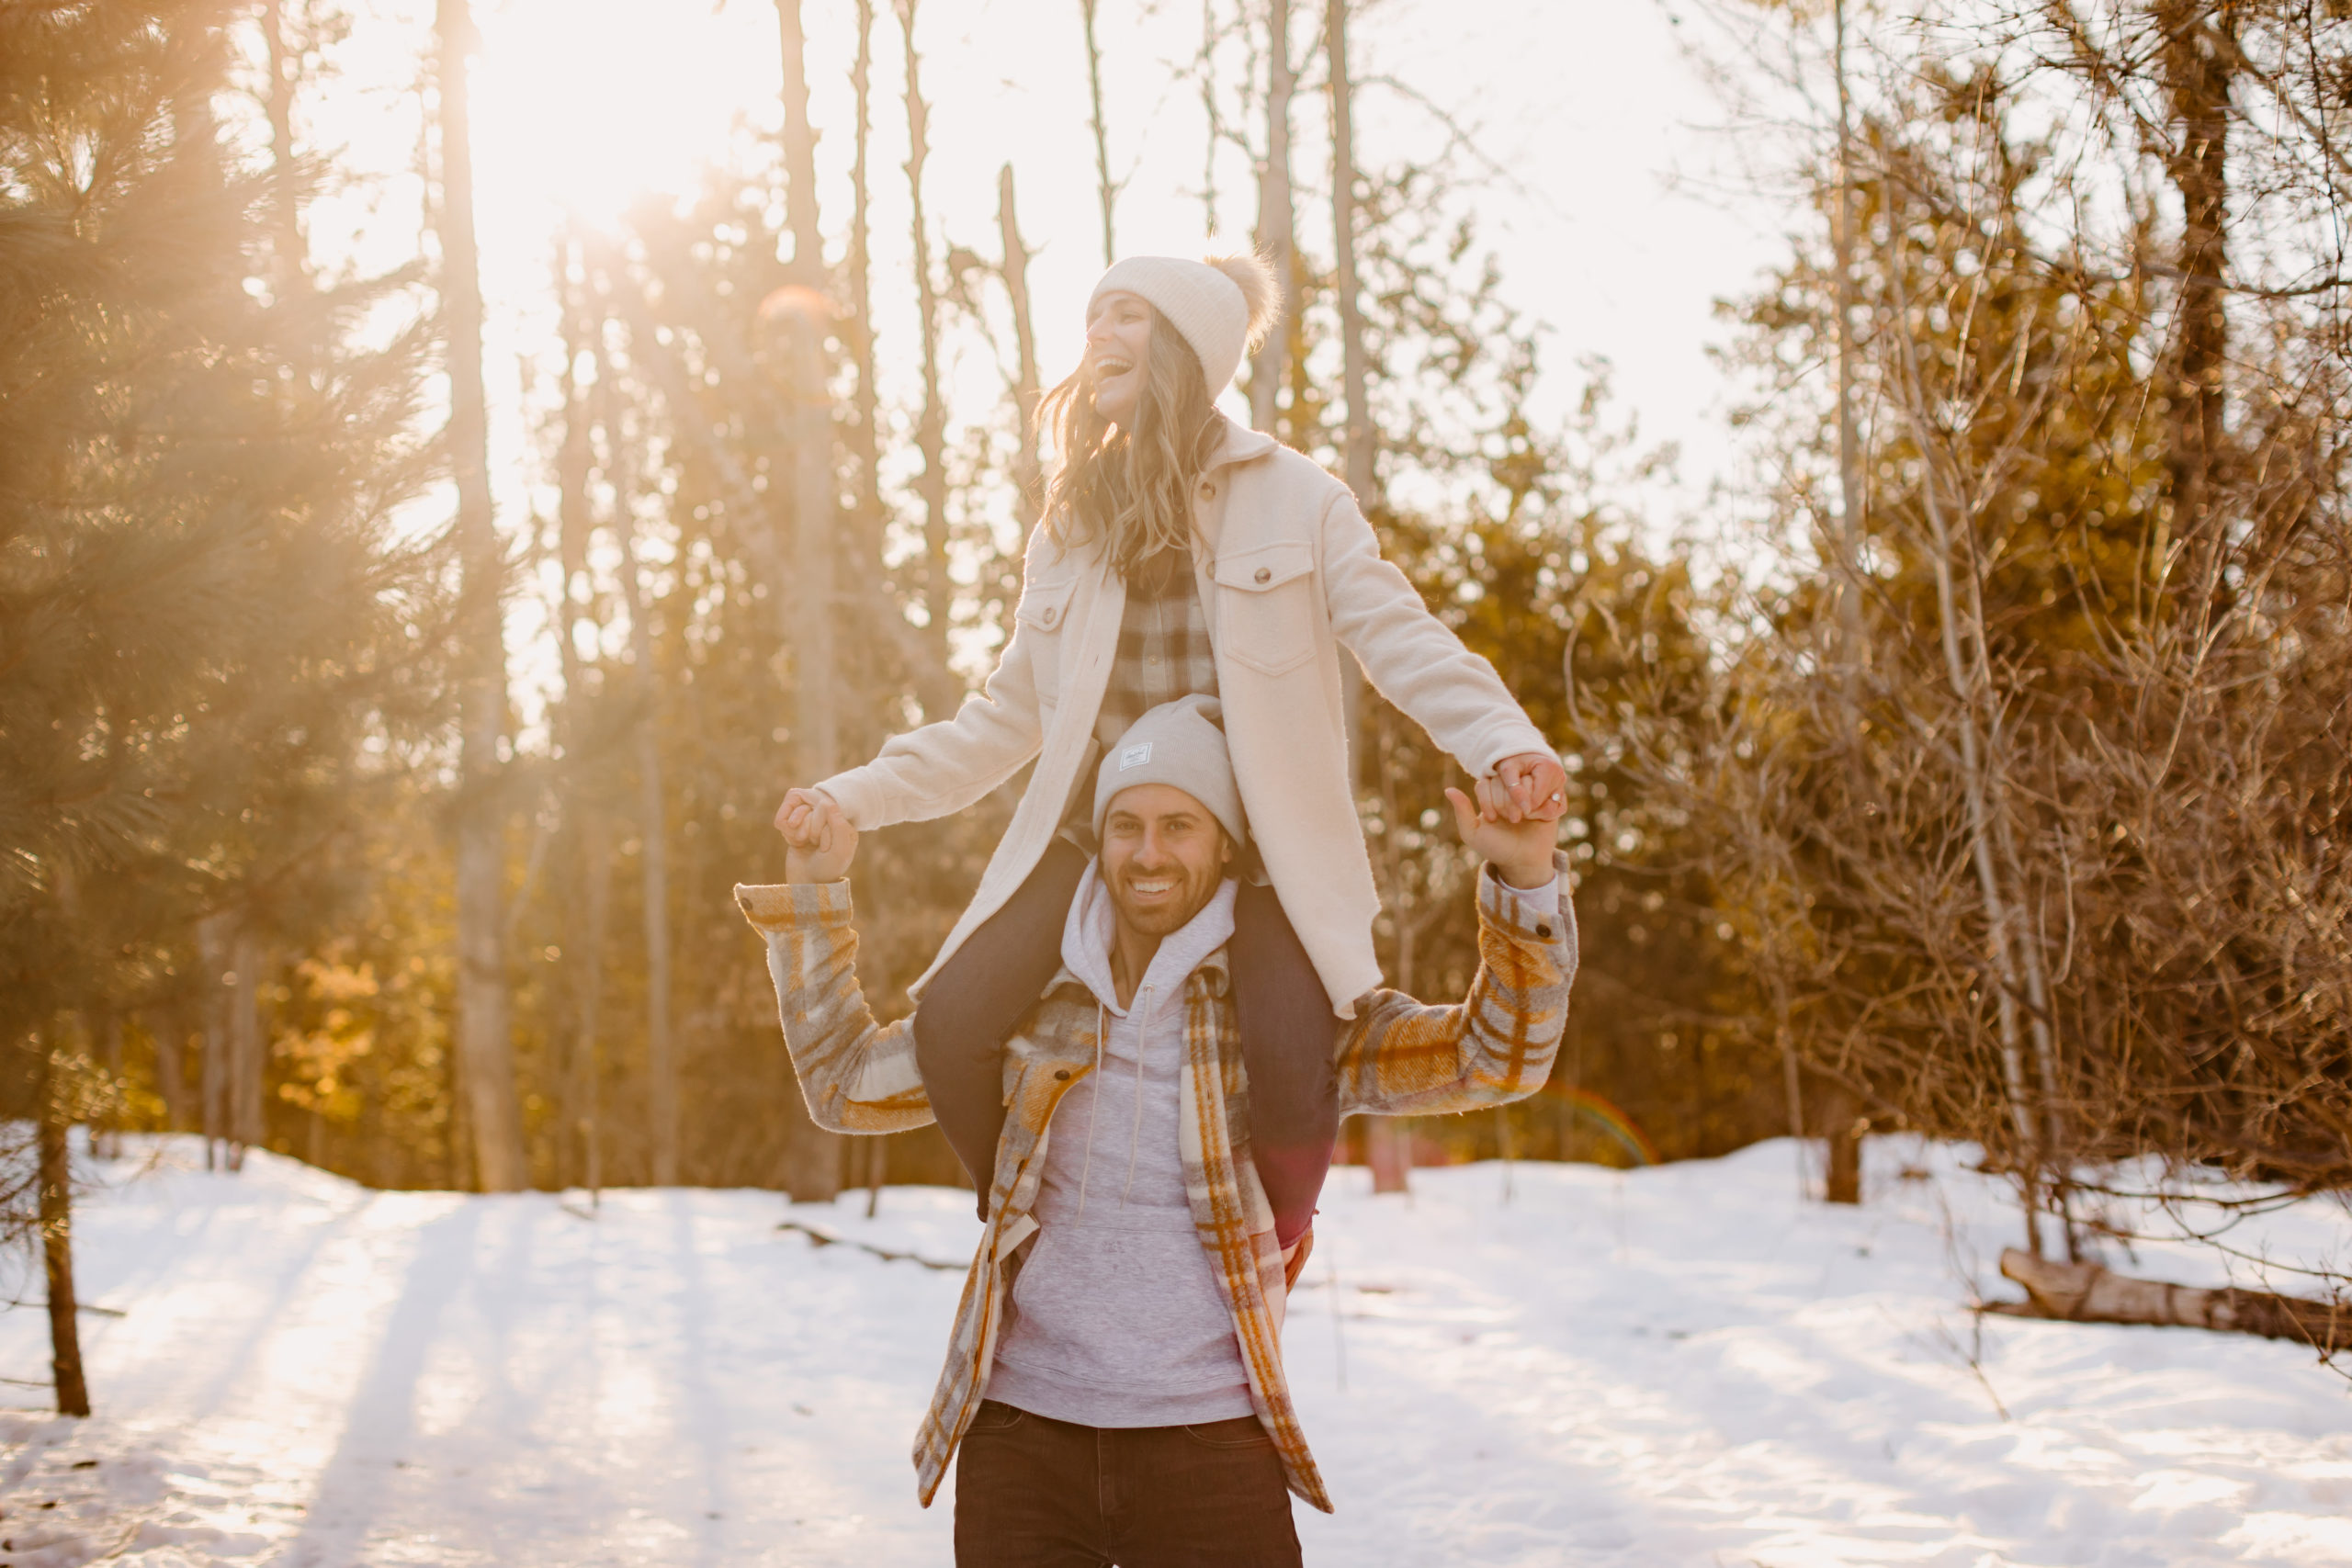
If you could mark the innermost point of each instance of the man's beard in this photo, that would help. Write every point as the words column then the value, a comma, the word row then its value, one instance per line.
column 1164, row 916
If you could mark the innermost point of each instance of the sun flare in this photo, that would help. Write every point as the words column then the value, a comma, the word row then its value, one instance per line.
column 589, row 105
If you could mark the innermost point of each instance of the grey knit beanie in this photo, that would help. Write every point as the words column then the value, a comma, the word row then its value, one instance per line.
column 1176, row 743
column 1222, row 306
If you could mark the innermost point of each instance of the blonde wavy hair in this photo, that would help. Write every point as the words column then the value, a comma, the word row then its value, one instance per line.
column 1131, row 486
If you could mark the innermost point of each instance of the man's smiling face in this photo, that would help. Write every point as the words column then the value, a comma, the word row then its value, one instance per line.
column 1163, row 855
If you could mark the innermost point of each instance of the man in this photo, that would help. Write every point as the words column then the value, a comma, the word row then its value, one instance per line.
column 1115, row 1377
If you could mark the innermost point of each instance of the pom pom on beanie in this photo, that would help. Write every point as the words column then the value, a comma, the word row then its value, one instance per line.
column 1222, row 305
column 1261, row 291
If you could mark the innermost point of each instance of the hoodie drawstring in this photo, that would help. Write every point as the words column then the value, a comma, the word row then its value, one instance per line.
column 1135, row 1134
column 1134, row 1139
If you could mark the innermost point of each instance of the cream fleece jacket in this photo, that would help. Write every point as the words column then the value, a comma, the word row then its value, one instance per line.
column 1290, row 574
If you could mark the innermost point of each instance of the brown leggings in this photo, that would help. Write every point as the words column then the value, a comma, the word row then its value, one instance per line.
column 1288, row 1034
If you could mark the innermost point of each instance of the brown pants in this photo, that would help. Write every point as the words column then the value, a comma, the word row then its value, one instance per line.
column 1035, row 1493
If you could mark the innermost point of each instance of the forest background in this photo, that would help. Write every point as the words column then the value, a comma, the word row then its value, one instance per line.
column 1970, row 762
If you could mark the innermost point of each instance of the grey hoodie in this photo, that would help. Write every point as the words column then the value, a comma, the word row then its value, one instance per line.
column 1116, row 1320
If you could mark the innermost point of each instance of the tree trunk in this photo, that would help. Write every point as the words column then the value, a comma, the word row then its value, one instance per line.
column 1277, row 222
column 812, row 1157
column 1028, row 472
column 585, row 1094
column 1979, row 793
column 1850, row 450
column 591, row 864
column 216, row 951
column 1387, row 1144
column 653, row 858
column 290, row 257
column 2084, row 1292
column 1842, row 1127
column 1389, row 1150
column 485, row 1048
column 808, row 268
column 930, row 430
column 56, row 1179
column 105, row 1129
column 2196, row 68
column 248, row 1049
column 866, row 439
column 1210, row 118
column 1356, row 369
column 169, row 1034
column 816, row 678
column 1791, row 1083
column 1106, row 190
column 810, row 434
column 815, row 1155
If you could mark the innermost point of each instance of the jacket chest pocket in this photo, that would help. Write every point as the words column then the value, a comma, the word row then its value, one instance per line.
column 1040, row 616
column 1267, row 605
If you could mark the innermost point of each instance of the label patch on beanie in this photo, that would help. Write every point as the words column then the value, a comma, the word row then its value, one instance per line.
column 1134, row 756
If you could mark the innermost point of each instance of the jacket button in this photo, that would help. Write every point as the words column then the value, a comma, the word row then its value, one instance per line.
column 1048, row 617
column 1264, row 573
column 1061, row 1073
column 1545, row 932
column 1208, row 493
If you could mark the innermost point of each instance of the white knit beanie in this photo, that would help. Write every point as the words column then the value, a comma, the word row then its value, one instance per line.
column 1176, row 743
column 1223, row 306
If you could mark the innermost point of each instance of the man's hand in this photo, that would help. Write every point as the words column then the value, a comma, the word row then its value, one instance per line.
column 820, row 843
column 1521, row 850
column 1532, row 784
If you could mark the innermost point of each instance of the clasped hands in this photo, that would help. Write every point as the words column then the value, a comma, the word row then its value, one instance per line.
column 819, row 839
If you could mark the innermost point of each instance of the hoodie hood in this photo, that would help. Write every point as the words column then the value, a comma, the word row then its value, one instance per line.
column 1087, row 933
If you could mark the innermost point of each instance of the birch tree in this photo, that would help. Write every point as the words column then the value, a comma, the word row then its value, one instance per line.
column 653, row 851
column 866, row 400
column 586, row 869
column 485, row 1043
column 931, row 428
column 1277, row 224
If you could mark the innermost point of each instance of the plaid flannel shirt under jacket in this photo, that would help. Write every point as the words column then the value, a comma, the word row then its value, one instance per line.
column 1397, row 1057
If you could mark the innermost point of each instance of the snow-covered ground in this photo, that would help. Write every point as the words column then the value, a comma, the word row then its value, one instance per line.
column 1680, row 1365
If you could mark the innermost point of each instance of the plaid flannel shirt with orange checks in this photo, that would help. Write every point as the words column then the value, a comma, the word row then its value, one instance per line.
column 1395, row 1057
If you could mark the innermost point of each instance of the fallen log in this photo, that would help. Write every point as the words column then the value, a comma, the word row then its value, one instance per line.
column 820, row 1237
column 2086, row 1293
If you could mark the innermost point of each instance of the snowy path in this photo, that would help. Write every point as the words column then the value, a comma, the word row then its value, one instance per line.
column 1676, row 1366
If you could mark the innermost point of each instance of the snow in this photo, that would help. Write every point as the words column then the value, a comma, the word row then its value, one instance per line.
column 1539, row 1365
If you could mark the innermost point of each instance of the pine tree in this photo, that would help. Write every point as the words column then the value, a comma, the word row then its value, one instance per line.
column 199, row 606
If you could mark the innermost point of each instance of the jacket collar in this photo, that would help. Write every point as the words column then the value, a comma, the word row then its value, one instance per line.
column 1240, row 445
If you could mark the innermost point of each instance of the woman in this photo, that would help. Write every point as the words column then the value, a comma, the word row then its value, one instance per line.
column 1180, row 553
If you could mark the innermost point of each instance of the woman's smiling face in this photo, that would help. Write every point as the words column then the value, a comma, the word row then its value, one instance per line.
column 1118, row 336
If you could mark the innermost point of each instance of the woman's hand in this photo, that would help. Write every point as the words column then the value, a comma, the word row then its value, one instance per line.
column 792, row 816
column 1530, row 786
column 820, row 842
column 1521, row 850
